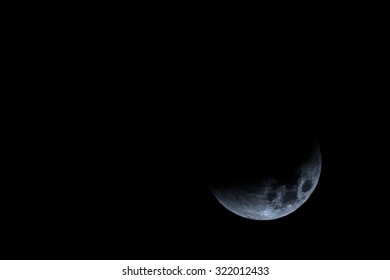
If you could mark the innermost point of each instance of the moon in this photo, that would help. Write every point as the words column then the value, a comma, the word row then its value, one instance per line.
column 280, row 188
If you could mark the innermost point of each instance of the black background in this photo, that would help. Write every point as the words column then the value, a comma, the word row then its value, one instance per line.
column 132, row 183
column 114, row 163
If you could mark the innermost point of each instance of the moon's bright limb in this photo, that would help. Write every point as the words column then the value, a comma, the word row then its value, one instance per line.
column 270, row 199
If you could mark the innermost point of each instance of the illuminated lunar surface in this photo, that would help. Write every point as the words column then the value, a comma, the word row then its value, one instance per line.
column 272, row 198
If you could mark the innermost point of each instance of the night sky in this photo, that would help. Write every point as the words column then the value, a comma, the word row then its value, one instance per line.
column 130, row 181
column 125, row 176
column 112, row 136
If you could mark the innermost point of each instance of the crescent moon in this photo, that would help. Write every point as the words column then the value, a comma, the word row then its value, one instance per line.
column 271, row 198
